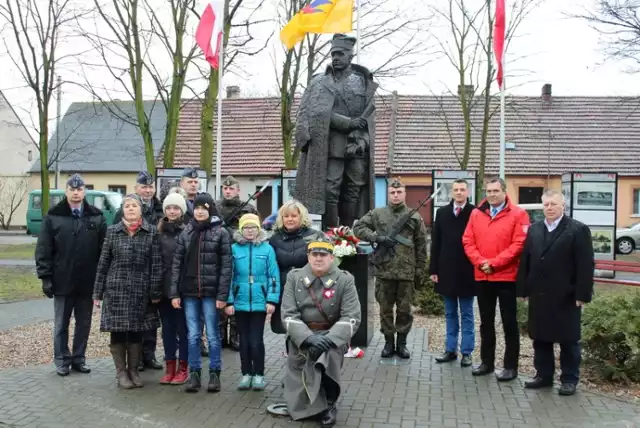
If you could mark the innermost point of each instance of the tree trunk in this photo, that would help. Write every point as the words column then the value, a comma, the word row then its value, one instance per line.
column 44, row 170
column 173, row 119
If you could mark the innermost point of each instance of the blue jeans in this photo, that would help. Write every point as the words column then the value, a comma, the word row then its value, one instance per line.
column 453, row 318
column 174, row 331
column 194, row 308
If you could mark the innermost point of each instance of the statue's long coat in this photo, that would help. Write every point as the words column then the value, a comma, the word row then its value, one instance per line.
column 312, row 126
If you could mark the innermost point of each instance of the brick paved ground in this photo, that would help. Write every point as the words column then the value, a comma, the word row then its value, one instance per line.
column 394, row 394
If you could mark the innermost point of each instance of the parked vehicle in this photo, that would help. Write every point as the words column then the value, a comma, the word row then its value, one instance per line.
column 108, row 202
column 535, row 212
column 628, row 239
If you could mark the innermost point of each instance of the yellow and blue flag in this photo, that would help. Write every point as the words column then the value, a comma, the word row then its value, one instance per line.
column 318, row 16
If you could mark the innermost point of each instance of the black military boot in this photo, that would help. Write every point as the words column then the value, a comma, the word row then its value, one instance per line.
column 331, row 216
column 214, row 381
column 389, row 347
column 401, row 347
column 195, row 382
column 329, row 416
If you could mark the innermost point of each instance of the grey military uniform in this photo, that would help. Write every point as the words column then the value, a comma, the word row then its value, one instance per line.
column 337, row 296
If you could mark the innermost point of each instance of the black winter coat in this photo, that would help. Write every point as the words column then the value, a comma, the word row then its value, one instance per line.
column 169, row 233
column 68, row 249
column 215, row 264
column 448, row 259
column 152, row 214
column 555, row 271
column 291, row 253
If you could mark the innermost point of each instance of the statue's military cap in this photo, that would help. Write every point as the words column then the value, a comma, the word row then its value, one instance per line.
column 342, row 42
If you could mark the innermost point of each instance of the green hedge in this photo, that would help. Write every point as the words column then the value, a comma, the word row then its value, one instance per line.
column 426, row 299
column 523, row 316
column 611, row 337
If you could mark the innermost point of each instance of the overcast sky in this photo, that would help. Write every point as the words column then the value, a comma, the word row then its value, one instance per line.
column 552, row 49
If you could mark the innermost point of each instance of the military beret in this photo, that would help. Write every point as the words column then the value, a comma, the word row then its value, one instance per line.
column 75, row 181
column 189, row 172
column 144, row 178
column 320, row 245
column 342, row 42
column 230, row 181
column 396, row 183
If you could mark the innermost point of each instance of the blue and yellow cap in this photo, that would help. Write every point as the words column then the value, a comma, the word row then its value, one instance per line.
column 320, row 246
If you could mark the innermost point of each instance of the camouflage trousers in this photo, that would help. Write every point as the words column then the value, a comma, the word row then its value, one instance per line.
column 390, row 293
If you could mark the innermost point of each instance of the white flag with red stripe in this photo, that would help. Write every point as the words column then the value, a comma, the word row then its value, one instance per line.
column 210, row 30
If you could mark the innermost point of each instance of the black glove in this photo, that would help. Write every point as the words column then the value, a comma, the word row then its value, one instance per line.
column 320, row 342
column 385, row 241
column 47, row 288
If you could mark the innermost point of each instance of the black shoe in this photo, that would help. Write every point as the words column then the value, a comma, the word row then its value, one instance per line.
column 62, row 371
column 538, row 382
column 214, row 381
column 506, row 375
column 447, row 357
column 141, row 366
column 389, row 347
column 80, row 368
column 482, row 370
column 329, row 417
column 194, row 384
column 466, row 361
column 401, row 347
column 153, row 364
column 567, row 389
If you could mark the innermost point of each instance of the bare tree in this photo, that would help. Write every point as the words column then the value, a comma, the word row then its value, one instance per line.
column 469, row 51
column 12, row 194
column 127, row 37
column 618, row 24
column 402, row 31
column 35, row 31
column 238, row 41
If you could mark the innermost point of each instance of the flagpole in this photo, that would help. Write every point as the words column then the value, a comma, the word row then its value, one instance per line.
column 358, row 32
column 502, row 124
column 219, row 125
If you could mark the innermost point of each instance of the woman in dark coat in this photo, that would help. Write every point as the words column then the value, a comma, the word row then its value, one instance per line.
column 174, row 325
column 129, row 284
column 290, row 238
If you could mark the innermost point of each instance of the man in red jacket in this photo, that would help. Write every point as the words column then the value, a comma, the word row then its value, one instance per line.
column 493, row 241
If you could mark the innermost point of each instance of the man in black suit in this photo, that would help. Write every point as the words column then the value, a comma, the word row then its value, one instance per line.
column 556, row 277
column 452, row 273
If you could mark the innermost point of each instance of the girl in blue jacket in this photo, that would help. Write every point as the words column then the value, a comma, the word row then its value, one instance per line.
column 254, row 293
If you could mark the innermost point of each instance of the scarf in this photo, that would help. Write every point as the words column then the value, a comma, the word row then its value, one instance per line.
column 132, row 228
column 193, row 253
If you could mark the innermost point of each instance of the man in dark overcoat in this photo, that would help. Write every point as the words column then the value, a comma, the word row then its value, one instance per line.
column 452, row 273
column 335, row 133
column 556, row 277
column 67, row 255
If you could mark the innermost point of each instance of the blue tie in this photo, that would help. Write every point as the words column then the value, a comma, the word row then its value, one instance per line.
column 494, row 211
column 76, row 213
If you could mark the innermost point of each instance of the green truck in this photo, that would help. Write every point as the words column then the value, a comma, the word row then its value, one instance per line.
column 108, row 202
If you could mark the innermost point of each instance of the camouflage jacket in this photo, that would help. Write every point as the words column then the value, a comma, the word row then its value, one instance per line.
column 226, row 208
column 409, row 262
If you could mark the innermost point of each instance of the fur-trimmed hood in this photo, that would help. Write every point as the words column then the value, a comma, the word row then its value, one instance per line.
column 238, row 238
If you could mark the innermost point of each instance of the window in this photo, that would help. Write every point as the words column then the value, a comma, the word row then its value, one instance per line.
column 636, row 201
column 88, row 186
column 98, row 202
column 55, row 200
column 117, row 188
column 37, row 203
column 530, row 195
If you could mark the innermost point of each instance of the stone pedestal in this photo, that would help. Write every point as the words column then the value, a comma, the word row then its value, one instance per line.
column 362, row 270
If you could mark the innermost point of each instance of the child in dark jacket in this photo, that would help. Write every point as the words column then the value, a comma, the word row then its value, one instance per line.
column 174, row 325
column 201, row 276
column 254, row 293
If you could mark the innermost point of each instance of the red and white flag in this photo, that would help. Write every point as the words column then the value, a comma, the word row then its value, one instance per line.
column 210, row 30
column 499, row 28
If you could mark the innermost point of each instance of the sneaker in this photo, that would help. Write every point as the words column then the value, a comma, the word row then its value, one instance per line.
column 245, row 383
column 258, row 383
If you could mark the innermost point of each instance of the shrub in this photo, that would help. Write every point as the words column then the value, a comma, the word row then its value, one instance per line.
column 523, row 316
column 611, row 337
column 427, row 300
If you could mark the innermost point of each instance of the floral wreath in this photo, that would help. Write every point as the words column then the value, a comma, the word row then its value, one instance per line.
column 345, row 242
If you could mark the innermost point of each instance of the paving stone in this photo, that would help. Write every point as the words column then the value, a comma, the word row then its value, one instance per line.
column 413, row 394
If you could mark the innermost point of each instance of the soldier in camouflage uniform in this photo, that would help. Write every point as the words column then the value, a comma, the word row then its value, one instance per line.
column 406, row 267
column 227, row 206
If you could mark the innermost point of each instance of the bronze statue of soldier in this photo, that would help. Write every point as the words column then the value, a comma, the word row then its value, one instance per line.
column 335, row 133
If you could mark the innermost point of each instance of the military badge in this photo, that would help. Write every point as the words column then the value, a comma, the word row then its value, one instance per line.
column 329, row 293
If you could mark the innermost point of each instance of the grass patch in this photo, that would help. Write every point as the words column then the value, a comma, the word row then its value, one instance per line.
column 17, row 251
column 602, row 289
column 19, row 284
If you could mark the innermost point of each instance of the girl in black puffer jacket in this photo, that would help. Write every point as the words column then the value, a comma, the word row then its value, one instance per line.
column 201, row 276
column 290, row 238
